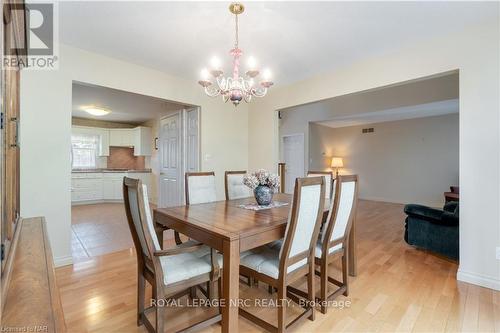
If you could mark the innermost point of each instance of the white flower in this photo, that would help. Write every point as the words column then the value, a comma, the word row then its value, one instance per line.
column 262, row 177
column 251, row 181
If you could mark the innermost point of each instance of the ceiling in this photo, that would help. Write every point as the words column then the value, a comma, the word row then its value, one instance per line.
column 125, row 107
column 407, row 112
column 295, row 40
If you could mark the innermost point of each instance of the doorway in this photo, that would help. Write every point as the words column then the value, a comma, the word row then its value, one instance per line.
column 293, row 155
column 179, row 153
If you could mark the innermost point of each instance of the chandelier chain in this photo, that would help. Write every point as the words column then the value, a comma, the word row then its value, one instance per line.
column 236, row 31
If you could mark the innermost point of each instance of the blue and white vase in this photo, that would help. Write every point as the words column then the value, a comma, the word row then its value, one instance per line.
column 263, row 195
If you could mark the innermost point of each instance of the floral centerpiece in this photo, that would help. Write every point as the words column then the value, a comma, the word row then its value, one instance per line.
column 263, row 184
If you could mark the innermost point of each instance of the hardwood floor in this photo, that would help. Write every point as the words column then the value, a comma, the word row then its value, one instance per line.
column 398, row 288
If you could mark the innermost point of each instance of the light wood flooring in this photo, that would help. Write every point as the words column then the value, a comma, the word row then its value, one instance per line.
column 98, row 229
column 398, row 288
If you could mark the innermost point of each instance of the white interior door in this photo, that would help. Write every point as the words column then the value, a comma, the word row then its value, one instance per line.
column 171, row 161
column 293, row 155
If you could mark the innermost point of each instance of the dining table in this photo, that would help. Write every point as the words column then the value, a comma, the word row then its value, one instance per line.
column 231, row 229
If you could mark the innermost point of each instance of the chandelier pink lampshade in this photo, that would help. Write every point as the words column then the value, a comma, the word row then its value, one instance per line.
column 235, row 88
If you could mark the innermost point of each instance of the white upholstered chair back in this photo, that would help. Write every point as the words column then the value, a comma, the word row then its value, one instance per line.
column 328, row 181
column 305, row 216
column 345, row 206
column 235, row 189
column 200, row 187
column 137, row 203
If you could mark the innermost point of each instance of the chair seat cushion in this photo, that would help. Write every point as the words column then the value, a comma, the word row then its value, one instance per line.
column 266, row 260
column 276, row 245
column 185, row 266
column 319, row 249
column 182, row 267
column 203, row 251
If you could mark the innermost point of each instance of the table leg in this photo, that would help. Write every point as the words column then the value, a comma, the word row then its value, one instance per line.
column 159, row 233
column 352, row 255
column 231, row 286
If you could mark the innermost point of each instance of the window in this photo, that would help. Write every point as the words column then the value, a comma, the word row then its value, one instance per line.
column 84, row 151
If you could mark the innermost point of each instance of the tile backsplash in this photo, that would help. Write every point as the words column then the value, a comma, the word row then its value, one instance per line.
column 123, row 158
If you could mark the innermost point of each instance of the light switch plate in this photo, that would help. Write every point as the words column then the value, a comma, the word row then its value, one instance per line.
column 498, row 253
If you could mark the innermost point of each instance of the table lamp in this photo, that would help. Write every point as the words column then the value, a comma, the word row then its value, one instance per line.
column 337, row 163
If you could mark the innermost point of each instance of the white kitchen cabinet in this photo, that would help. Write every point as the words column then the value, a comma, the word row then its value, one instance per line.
column 107, row 188
column 104, row 142
column 102, row 187
column 121, row 137
column 113, row 185
column 142, row 141
column 86, row 187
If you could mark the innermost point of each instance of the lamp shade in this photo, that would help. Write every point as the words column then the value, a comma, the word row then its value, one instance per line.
column 337, row 162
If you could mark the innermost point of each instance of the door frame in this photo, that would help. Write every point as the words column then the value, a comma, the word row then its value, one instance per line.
column 183, row 140
column 282, row 144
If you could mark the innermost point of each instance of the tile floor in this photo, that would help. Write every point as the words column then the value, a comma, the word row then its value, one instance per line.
column 99, row 229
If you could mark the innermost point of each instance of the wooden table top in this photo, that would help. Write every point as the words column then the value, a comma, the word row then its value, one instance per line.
column 226, row 219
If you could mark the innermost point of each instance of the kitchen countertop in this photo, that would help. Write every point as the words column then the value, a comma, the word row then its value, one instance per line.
column 110, row 170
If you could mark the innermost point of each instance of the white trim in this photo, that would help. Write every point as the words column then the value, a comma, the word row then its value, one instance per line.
column 63, row 261
column 305, row 166
column 91, row 202
column 478, row 279
column 403, row 202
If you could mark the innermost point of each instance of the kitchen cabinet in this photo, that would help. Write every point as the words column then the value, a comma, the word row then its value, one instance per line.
column 113, row 185
column 140, row 138
column 104, row 142
column 102, row 186
column 121, row 137
column 142, row 141
column 86, row 187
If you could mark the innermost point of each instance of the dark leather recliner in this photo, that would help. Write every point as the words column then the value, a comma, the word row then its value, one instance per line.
column 433, row 229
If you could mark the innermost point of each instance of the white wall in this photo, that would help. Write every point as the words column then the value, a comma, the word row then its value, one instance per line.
column 475, row 53
column 406, row 161
column 437, row 89
column 46, row 129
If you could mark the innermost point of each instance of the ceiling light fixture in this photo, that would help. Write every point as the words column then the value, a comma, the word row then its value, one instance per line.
column 235, row 88
column 97, row 111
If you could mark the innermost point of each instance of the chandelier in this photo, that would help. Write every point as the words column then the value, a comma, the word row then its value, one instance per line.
column 235, row 88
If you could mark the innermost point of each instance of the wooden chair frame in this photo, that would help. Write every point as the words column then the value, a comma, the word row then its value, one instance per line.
column 332, row 178
column 282, row 283
column 326, row 257
column 149, row 268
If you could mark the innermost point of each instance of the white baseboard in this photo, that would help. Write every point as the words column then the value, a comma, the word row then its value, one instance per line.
column 93, row 202
column 403, row 202
column 63, row 261
column 478, row 279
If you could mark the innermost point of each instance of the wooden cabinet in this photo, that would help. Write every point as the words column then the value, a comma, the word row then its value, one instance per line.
column 32, row 301
column 14, row 39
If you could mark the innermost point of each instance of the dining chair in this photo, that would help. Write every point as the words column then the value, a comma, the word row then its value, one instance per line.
column 199, row 188
column 234, row 187
column 333, row 243
column 171, row 272
column 295, row 259
column 329, row 181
